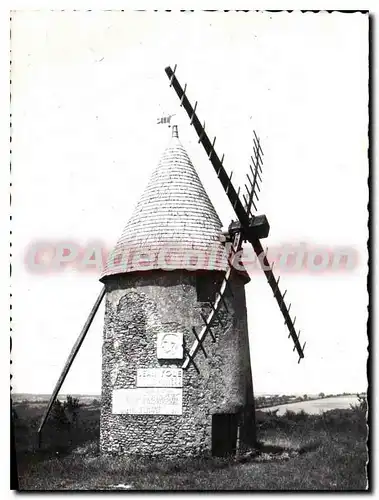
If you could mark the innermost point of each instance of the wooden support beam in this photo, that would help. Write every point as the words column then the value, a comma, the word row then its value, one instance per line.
column 70, row 360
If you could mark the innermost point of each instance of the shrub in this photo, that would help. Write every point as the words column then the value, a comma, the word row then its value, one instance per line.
column 65, row 414
column 300, row 416
column 58, row 415
column 71, row 404
column 71, row 407
column 272, row 413
column 361, row 406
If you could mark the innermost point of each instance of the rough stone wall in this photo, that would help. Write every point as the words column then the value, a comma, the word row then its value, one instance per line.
column 137, row 308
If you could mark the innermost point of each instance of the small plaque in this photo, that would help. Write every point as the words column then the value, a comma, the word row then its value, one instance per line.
column 170, row 345
column 159, row 377
column 149, row 401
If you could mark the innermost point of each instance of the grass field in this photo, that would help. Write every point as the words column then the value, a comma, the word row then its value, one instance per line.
column 296, row 451
column 316, row 406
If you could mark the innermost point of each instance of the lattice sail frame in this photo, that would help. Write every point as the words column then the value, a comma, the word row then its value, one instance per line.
column 242, row 211
column 252, row 192
column 215, row 309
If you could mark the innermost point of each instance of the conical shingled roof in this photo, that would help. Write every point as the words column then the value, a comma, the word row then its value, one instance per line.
column 174, row 225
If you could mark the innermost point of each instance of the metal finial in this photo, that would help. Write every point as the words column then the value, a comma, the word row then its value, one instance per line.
column 175, row 131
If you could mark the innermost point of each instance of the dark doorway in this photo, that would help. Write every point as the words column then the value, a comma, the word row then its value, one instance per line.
column 224, row 434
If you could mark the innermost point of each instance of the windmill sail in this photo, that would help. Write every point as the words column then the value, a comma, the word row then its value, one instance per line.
column 242, row 211
column 253, row 189
column 215, row 308
column 225, row 179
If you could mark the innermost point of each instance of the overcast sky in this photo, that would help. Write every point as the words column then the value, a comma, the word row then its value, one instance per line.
column 87, row 89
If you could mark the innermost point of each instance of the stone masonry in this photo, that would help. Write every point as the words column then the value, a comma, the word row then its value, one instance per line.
column 137, row 308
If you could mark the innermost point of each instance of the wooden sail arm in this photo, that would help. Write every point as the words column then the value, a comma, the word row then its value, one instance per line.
column 274, row 284
column 225, row 179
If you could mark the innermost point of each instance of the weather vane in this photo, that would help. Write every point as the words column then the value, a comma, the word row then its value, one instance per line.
column 165, row 120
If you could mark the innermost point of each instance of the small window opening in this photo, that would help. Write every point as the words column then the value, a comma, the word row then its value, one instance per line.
column 207, row 287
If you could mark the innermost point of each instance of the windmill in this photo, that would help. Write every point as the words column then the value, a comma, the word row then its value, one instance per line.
column 176, row 363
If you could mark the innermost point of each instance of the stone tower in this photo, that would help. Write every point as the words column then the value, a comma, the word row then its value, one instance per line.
column 160, row 279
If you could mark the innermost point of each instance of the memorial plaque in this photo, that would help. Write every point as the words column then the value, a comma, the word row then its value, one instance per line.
column 148, row 401
column 159, row 377
column 170, row 345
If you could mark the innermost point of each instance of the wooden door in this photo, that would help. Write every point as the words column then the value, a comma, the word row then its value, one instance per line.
column 224, row 434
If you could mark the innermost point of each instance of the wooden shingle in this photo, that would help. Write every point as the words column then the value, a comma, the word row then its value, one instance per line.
column 174, row 218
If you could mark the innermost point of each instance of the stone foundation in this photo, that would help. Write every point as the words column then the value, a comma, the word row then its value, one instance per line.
column 138, row 307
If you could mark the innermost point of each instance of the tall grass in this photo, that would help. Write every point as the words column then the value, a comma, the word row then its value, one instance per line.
column 294, row 452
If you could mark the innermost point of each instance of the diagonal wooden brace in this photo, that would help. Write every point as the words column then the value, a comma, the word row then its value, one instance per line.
column 208, row 327
column 199, row 341
column 70, row 360
column 190, row 358
column 216, row 312
column 223, row 301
